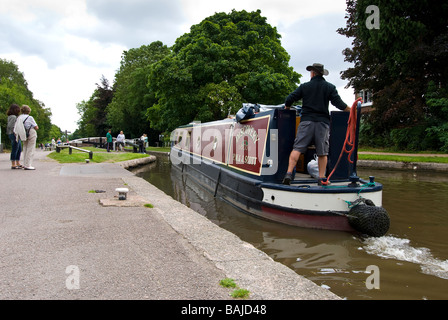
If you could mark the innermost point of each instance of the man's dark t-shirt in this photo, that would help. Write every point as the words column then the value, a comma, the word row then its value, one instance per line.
column 316, row 95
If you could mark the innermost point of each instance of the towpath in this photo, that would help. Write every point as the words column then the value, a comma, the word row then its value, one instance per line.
column 59, row 240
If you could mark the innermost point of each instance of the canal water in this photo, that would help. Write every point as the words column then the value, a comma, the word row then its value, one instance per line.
column 410, row 262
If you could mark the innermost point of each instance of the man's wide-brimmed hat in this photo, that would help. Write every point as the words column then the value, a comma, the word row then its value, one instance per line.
column 319, row 68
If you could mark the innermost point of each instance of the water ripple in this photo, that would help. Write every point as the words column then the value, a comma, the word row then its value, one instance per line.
column 391, row 247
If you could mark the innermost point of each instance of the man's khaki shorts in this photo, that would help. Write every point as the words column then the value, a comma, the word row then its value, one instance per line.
column 310, row 132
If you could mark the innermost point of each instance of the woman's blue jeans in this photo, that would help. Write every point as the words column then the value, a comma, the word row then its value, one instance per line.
column 16, row 147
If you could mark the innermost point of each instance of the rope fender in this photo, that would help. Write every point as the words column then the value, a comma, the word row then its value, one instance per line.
column 367, row 218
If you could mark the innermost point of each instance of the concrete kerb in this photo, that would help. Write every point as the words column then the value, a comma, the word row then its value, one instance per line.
column 399, row 165
column 251, row 268
column 137, row 162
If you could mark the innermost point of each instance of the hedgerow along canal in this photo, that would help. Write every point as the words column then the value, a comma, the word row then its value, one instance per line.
column 411, row 260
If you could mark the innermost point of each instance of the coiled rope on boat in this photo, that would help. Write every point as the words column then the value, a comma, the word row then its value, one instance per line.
column 350, row 138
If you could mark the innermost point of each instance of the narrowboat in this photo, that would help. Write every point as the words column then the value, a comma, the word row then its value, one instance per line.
column 243, row 160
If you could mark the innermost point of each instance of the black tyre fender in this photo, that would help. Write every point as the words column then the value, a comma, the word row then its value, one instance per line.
column 369, row 219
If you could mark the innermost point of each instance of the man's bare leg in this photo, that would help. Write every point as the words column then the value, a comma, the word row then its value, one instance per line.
column 322, row 163
column 293, row 158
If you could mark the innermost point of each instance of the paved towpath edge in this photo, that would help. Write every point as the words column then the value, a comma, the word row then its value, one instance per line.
column 50, row 222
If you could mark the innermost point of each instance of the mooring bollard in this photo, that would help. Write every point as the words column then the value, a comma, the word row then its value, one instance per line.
column 122, row 193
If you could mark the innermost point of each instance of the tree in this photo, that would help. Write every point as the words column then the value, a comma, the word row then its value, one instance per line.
column 397, row 61
column 92, row 122
column 437, row 121
column 55, row 132
column 132, row 97
column 85, row 123
column 14, row 89
column 225, row 60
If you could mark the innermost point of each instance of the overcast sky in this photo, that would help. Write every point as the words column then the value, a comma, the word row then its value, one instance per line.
column 64, row 47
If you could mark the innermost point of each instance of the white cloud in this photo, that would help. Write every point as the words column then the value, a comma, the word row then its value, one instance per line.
column 277, row 12
column 64, row 47
column 62, row 87
column 313, row 40
column 135, row 22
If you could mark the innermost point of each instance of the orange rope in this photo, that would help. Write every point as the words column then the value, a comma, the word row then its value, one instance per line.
column 350, row 138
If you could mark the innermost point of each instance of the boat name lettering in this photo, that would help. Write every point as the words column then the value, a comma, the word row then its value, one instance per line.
column 239, row 158
column 249, row 131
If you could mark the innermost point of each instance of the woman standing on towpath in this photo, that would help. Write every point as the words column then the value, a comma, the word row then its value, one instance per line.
column 29, row 146
column 16, row 145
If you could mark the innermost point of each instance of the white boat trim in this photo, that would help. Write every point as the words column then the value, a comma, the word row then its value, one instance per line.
column 316, row 201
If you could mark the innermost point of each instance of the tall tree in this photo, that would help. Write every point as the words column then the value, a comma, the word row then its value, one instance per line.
column 92, row 122
column 132, row 97
column 87, row 113
column 14, row 89
column 398, row 59
column 225, row 60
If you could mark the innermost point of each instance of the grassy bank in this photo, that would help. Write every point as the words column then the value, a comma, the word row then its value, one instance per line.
column 402, row 156
column 99, row 156
column 158, row 149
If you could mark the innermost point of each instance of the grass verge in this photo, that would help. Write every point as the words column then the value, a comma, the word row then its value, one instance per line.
column 402, row 158
column 238, row 293
column 157, row 149
column 99, row 156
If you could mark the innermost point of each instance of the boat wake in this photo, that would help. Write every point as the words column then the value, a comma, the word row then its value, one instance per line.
column 400, row 249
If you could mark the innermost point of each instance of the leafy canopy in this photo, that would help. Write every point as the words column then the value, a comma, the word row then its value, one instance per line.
column 92, row 122
column 225, row 60
column 398, row 62
column 132, row 96
column 14, row 89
